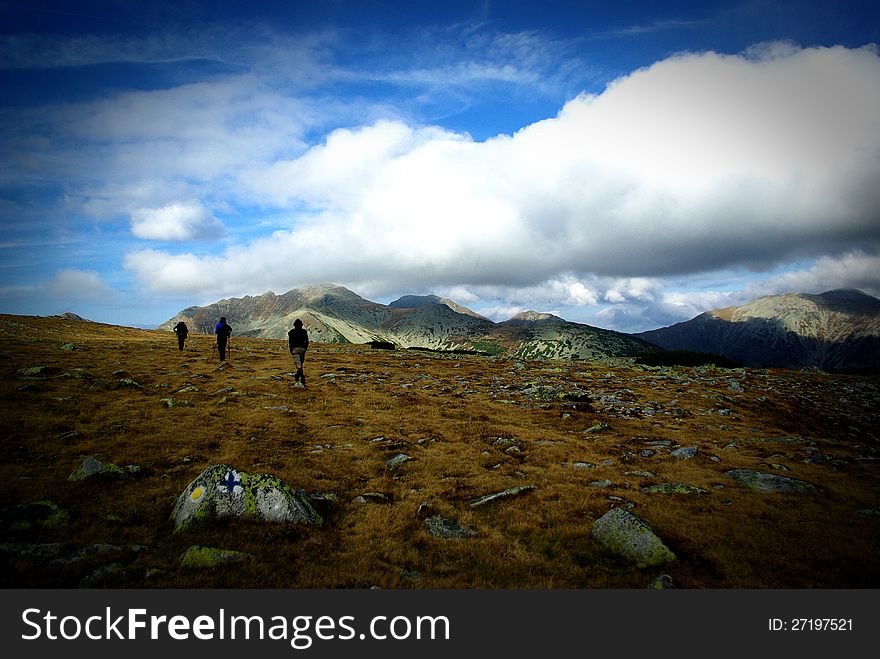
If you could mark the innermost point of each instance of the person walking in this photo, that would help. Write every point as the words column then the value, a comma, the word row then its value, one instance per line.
column 222, row 330
column 181, row 330
column 298, row 339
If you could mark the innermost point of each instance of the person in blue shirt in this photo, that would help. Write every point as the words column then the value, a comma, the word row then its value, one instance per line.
column 223, row 330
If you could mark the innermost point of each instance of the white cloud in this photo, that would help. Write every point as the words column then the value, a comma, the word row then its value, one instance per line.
column 76, row 286
column 699, row 162
column 176, row 222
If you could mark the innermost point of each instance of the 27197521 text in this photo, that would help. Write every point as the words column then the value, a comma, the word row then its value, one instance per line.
column 810, row 625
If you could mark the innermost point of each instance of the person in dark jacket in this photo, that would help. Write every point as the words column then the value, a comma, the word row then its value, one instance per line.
column 223, row 330
column 298, row 339
column 181, row 330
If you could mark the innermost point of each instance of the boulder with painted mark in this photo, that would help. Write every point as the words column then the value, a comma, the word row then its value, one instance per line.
column 221, row 491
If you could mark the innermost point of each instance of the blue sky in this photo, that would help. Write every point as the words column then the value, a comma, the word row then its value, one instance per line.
column 628, row 165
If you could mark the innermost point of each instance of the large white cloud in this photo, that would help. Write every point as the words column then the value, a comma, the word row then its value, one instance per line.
column 698, row 163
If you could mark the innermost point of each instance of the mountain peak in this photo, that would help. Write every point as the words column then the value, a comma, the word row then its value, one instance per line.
column 534, row 316
column 835, row 329
column 416, row 301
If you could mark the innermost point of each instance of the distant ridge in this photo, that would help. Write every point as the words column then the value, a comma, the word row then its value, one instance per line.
column 838, row 329
column 69, row 315
column 334, row 314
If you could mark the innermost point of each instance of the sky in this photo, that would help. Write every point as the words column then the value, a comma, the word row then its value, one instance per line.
column 627, row 165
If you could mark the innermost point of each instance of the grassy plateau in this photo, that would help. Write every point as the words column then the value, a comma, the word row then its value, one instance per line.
column 586, row 436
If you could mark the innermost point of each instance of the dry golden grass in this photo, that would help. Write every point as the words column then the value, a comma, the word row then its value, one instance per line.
column 446, row 412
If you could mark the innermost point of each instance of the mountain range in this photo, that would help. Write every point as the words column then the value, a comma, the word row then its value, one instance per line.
column 838, row 329
column 335, row 314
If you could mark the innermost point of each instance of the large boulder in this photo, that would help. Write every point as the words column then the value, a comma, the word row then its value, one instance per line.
column 222, row 491
column 628, row 535
column 759, row 481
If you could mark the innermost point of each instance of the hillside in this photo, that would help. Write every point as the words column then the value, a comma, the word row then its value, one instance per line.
column 835, row 330
column 334, row 314
column 425, row 470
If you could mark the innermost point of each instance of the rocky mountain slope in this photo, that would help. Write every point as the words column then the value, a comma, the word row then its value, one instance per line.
column 837, row 329
column 334, row 314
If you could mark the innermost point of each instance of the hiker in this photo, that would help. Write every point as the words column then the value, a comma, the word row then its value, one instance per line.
column 222, row 331
column 181, row 330
column 298, row 339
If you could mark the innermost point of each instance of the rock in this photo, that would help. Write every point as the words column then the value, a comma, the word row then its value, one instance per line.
column 69, row 436
column 209, row 557
column 673, row 488
column 601, row 484
column 221, row 491
column 599, row 427
column 627, row 535
column 759, row 481
column 128, row 382
column 510, row 492
column 662, row 582
column 371, row 497
column 397, row 460
column 108, row 576
column 36, row 515
column 441, row 527
column 69, row 347
column 38, row 372
column 685, row 452
column 91, row 467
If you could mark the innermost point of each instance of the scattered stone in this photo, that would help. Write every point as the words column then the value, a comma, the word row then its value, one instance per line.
column 189, row 389
column 167, row 402
column 371, row 497
column 685, row 452
column 580, row 465
column 69, row 347
column 673, row 488
column 91, row 467
column 210, row 557
column 599, row 427
column 397, row 460
column 221, row 491
column 441, row 527
column 759, row 481
column 278, row 408
column 128, row 382
column 38, row 372
column 627, row 535
column 69, row 436
column 97, row 549
column 735, row 386
column 108, row 576
column 36, row 515
column 662, row 582
column 510, row 492
column 640, row 474
column 600, row 484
